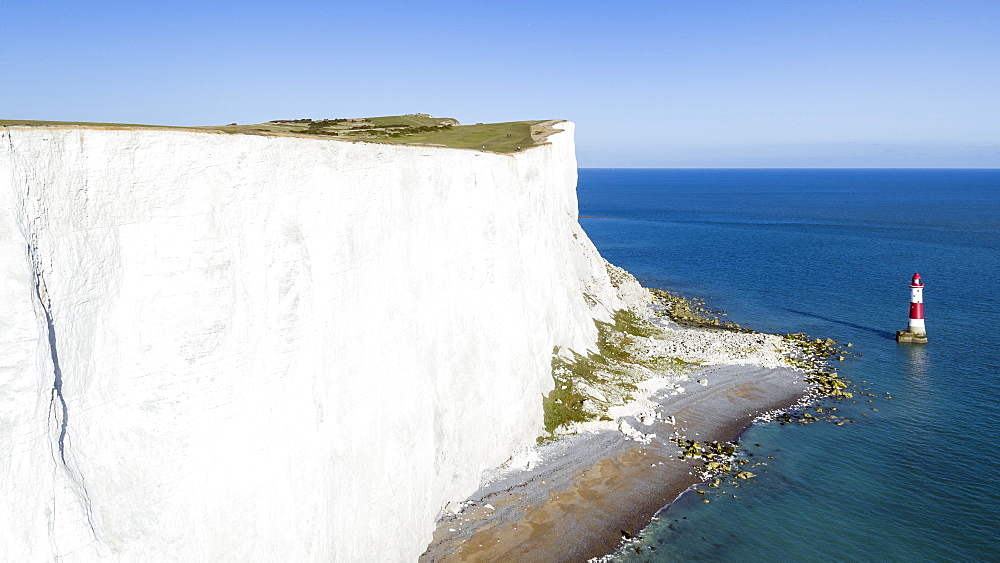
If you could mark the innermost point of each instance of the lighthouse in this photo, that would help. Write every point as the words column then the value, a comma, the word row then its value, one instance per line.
column 915, row 331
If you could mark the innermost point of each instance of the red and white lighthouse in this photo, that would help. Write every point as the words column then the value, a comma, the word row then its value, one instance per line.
column 915, row 331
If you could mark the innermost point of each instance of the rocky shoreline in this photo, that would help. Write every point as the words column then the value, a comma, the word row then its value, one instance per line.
column 583, row 491
column 689, row 393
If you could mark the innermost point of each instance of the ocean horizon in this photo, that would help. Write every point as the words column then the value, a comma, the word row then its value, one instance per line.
column 830, row 252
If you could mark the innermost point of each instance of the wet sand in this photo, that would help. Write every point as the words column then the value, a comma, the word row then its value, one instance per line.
column 588, row 488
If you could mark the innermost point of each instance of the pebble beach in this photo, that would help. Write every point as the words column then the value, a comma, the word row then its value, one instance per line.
column 580, row 496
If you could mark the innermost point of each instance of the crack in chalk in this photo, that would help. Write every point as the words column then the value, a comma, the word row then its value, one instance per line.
column 58, row 408
column 57, row 391
column 41, row 292
column 88, row 506
column 57, row 385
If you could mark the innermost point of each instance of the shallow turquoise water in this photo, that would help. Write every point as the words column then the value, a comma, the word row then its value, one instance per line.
column 831, row 252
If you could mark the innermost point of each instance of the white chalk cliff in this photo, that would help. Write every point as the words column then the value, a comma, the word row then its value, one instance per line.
column 237, row 347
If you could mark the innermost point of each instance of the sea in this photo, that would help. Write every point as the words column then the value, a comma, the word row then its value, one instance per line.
column 831, row 252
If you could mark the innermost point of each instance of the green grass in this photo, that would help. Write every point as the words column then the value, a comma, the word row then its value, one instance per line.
column 493, row 137
column 420, row 129
column 417, row 120
column 423, row 130
column 566, row 403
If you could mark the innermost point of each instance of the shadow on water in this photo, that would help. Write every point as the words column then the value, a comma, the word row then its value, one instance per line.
column 880, row 333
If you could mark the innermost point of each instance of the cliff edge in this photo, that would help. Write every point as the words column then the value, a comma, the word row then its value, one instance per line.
column 244, row 347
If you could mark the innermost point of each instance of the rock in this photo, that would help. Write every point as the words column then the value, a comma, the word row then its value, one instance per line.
column 633, row 434
column 195, row 281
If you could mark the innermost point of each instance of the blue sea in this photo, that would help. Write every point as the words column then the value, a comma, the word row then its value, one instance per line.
column 831, row 253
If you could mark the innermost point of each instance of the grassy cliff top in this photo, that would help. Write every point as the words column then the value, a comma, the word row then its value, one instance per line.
column 419, row 129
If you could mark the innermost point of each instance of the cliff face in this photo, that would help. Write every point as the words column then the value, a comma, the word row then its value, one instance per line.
column 221, row 347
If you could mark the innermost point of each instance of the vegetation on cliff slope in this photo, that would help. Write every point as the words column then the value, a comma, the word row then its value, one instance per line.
column 587, row 385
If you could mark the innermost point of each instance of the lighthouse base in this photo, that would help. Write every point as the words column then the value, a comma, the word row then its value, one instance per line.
column 907, row 336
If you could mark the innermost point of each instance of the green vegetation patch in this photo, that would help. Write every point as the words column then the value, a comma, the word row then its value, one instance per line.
column 587, row 385
column 567, row 402
column 421, row 129
column 494, row 137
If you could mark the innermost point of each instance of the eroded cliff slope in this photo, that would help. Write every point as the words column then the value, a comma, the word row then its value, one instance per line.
column 234, row 347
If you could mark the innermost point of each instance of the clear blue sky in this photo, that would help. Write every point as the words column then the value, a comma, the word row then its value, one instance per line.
column 668, row 83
